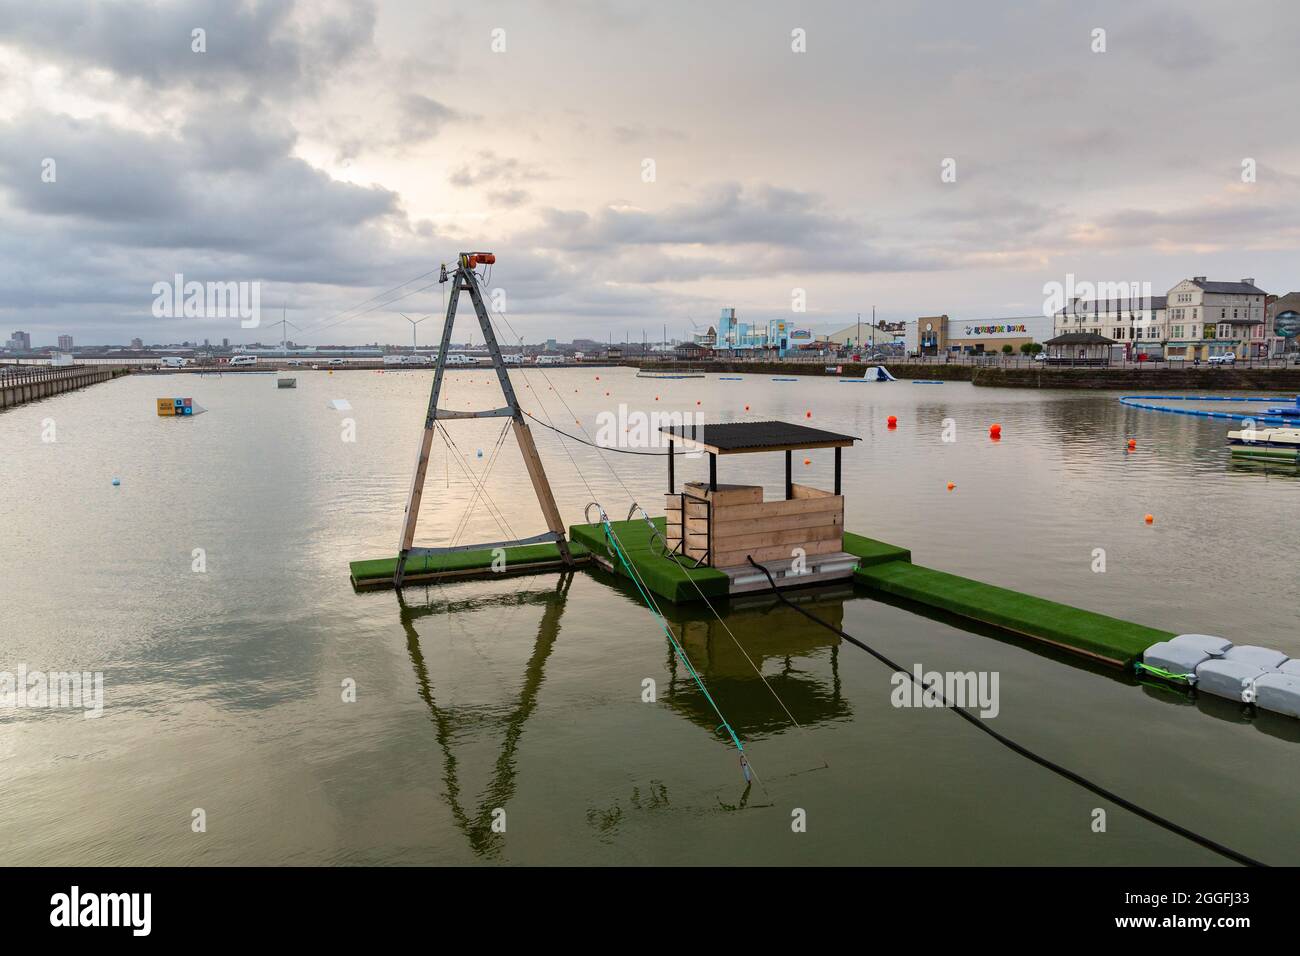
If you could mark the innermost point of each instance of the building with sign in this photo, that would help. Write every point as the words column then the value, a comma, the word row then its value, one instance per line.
column 1282, row 323
column 940, row 335
column 777, row 335
column 1207, row 318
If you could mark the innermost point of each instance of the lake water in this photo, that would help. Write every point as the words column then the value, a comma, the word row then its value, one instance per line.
column 224, row 688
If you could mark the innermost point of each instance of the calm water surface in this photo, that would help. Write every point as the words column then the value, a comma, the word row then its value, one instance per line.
column 223, row 688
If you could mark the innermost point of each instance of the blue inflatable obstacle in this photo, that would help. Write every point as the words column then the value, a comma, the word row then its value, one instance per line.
column 178, row 407
column 1154, row 403
column 1286, row 411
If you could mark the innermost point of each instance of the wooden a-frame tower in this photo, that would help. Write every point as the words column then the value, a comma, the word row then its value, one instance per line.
column 464, row 279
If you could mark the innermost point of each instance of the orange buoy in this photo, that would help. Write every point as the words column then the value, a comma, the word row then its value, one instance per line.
column 746, row 408
column 656, row 398
column 1150, row 519
column 807, row 461
column 1132, row 443
column 697, row 402
column 807, row 414
column 995, row 430
column 951, row 486
column 892, row 421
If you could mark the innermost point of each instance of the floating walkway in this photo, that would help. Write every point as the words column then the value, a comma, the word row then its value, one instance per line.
column 521, row 559
column 880, row 566
column 1103, row 638
column 888, row 568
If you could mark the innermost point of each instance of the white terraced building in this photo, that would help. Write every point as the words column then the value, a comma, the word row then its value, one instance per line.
column 1213, row 318
column 1137, row 323
column 1196, row 320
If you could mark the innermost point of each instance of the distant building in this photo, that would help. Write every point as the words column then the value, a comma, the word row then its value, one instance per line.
column 137, row 343
column 707, row 339
column 20, row 342
column 1282, row 323
column 866, row 335
column 690, row 351
column 1137, row 322
column 1212, row 318
column 939, row 335
column 65, row 342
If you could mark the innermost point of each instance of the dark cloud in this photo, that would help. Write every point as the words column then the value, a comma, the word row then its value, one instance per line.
column 270, row 45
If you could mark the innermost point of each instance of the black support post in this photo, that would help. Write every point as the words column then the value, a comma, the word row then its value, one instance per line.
column 789, row 477
column 713, row 471
column 837, row 470
column 671, row 484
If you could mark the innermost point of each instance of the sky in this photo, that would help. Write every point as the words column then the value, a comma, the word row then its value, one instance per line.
column 635, row 166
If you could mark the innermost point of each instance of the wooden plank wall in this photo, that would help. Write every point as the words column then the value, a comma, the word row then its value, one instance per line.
column 742, row 523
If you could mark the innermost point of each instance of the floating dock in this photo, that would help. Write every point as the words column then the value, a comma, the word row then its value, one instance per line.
column 1106, row 639
column 476, row 563
column 883, row 567
column 874, row 564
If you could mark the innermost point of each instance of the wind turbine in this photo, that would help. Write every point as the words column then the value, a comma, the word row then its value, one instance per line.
column 414, row 323
column 284, row 342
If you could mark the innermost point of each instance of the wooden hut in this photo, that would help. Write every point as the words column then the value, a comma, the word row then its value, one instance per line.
column 723, row 525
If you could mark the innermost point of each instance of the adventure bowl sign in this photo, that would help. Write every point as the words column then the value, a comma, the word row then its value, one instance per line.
column 996, row 330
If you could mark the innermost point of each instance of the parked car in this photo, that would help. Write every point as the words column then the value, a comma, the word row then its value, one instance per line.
column 1227, row 358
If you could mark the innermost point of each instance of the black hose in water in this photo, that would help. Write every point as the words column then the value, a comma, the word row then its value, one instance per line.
column 1056, row 768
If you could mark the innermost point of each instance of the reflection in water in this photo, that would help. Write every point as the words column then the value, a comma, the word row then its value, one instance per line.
column 1278, row 471
column 477, row 827
column 770, row 638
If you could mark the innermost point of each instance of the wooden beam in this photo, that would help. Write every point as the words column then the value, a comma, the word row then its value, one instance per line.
column 537, row 474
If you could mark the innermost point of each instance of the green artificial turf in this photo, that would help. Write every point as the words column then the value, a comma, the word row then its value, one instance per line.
column 1107, row 637
column 384, row 568
column 869, row 551
column 664, row 576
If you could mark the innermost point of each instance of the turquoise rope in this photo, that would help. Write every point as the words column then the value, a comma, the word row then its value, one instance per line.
column 740, row 748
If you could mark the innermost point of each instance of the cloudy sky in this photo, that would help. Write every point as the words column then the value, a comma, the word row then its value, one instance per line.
column 333, row 150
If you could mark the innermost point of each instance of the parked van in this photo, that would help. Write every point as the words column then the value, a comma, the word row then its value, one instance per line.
column 513, row 359
column 243, row 360
column 173, row 361
column 549, row 359
column 460, row 360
